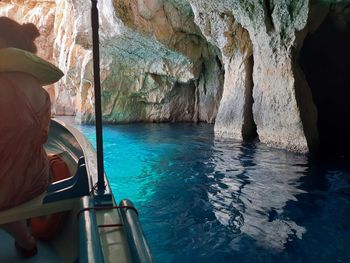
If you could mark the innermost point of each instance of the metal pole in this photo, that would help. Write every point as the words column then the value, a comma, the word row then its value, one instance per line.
column 101, row 187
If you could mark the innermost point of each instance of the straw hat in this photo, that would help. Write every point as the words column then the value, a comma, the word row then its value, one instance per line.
column 14, row 59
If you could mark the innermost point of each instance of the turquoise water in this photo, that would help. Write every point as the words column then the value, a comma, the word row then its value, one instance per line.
column 203, row 199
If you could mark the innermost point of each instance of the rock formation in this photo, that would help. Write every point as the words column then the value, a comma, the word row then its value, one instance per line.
column 235, row 63
column 156, row 65
column 42, row 14
column 151, row 58
column 269, row 32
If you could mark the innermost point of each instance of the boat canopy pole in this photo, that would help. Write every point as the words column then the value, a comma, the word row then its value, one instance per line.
column 101, row 186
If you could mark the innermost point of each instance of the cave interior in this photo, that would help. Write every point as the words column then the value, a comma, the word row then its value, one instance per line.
column 325, row 61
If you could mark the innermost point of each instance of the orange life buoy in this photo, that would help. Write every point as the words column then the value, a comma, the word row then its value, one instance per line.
column 47, row 227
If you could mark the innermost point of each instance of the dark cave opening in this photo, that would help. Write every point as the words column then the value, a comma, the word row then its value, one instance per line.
column 249, row 129
column 325, row 60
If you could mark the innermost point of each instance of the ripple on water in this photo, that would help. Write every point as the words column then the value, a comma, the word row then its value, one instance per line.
column 203, row 199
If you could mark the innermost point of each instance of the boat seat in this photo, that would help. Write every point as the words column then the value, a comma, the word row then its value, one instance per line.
column 60, row 196
column 35, row 208
column 75, row 186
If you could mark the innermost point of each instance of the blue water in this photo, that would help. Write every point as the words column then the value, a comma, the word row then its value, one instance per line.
column 204, row 199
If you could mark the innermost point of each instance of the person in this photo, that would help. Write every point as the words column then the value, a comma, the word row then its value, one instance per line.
column 25, row 111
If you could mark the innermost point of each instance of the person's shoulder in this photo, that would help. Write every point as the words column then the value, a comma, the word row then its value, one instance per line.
column 22, row 79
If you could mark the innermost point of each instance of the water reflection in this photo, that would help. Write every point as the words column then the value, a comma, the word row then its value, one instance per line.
column 251, row 190
column 202, row 199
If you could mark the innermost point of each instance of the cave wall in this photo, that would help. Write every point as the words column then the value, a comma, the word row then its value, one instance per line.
column 42, row 14
column 325, row 61
column 151, row 60
column 155, row 63
column 270, row 31
column 232, row 63
column 222, row 30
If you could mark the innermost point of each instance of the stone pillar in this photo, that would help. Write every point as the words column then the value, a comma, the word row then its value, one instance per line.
column 283, row 109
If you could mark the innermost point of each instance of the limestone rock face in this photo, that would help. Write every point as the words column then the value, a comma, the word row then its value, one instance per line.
column 151, row 59
column 40, row 13
column 283, row 110
column 156, row 58
column 232, row 62
column 222, row 30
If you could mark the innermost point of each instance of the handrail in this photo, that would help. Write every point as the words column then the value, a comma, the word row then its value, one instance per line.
column 89, row 241
column 139, row 248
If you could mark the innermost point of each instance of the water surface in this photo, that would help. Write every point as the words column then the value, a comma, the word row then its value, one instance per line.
column 204, row 199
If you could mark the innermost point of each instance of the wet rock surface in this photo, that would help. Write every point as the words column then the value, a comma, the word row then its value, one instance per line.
column 232, row 63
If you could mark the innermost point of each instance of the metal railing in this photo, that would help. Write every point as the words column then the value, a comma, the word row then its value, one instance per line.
column 139, row 248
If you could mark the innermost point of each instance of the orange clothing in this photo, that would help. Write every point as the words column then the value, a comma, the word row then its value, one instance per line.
column 24, row 168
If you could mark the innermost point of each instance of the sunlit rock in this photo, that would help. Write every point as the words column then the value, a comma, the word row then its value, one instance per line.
column 234, row 118
column 149, row 63
column 170, row 26
column 152, row 58
column 283, row 110
column 40, row 13
column 232, row 63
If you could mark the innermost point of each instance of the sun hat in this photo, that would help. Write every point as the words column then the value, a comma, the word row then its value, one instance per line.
column 14, row 59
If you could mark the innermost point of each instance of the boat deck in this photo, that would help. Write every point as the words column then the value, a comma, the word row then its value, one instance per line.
column 65, row 246
column 8, row 252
